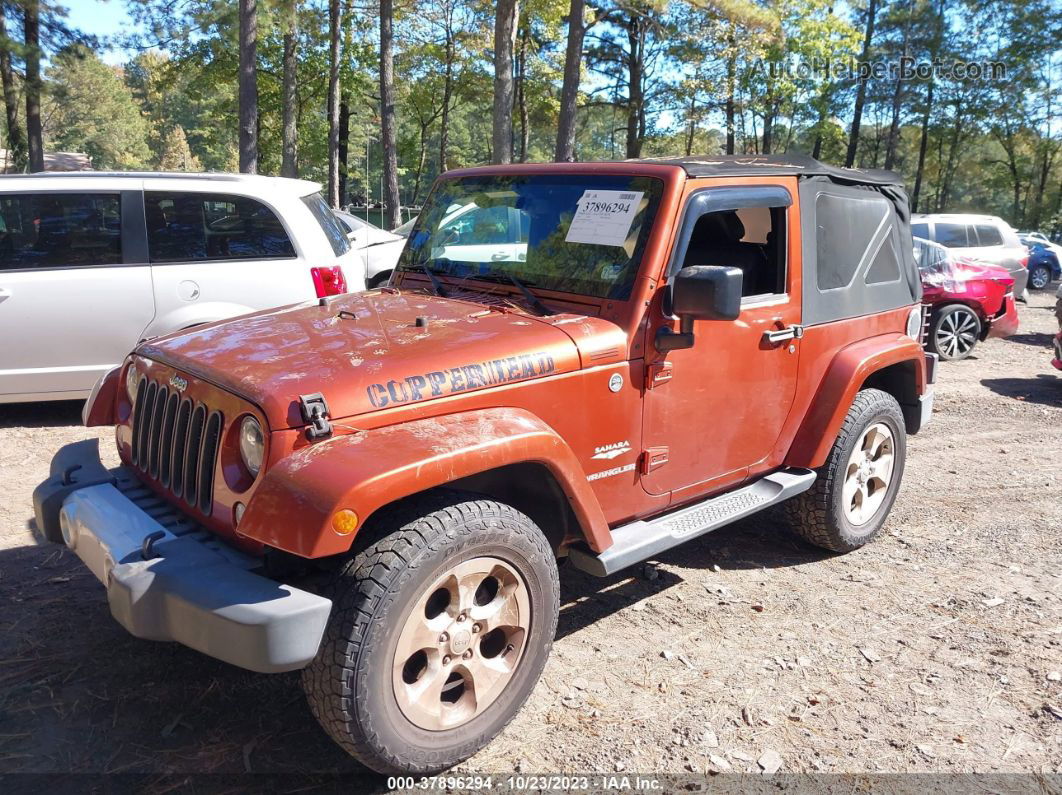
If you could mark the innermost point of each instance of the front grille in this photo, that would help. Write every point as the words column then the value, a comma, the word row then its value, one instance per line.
column 175, row 443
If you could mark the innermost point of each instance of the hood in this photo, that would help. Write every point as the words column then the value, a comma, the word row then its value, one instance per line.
column 373, row 236
column 368, row 351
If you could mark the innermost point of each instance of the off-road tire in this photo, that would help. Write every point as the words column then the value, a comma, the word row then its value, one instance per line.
column 349, row 683
column 936, row 325
column 817, row 515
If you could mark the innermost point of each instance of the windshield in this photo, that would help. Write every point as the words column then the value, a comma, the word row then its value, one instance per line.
column 570, row 233
column 331, row 227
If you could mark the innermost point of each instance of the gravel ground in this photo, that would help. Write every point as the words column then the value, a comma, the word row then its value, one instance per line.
column 936, row 649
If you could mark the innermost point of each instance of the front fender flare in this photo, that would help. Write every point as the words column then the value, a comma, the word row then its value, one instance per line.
column 292, row 509
column 845, row 376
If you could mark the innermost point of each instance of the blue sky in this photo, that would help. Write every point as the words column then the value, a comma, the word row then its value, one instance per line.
column 103, row 18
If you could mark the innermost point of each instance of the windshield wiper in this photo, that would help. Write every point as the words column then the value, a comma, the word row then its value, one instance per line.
column 436, row 285
column 521, row 286
column 530, row 296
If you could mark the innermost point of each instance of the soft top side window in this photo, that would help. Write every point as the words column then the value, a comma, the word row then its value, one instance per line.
column 60, row 230
column 191, row 227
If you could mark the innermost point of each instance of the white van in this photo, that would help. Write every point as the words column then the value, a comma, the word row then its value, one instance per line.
column 92, row 263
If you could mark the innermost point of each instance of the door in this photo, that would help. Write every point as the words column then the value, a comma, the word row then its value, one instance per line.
column 714, row 412
column 75, row 292
column 216, row 255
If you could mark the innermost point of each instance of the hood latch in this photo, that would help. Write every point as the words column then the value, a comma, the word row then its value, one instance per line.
column 315, row 411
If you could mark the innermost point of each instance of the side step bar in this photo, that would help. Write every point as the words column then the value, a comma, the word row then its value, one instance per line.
column 640, row 540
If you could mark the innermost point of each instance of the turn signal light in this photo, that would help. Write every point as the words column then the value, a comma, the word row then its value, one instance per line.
column 345, row 522
column 328, row 281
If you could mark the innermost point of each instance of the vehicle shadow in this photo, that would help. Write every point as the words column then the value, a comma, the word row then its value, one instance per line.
column 1045, row 389
column 1038, row 339
column 80, row 695
column 758, row 542
column 41, row 414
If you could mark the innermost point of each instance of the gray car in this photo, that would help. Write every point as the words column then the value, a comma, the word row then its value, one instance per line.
column 985, row 238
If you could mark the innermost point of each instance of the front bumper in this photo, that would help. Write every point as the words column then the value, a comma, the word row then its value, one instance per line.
column 183, row 584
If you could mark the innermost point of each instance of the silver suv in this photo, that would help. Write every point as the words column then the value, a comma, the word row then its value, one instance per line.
column 986, row 238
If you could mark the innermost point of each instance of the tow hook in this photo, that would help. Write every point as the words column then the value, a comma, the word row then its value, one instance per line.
column 315, row 411
column 147, row 549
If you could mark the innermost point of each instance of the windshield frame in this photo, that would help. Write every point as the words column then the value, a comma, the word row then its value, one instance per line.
column 658, row 184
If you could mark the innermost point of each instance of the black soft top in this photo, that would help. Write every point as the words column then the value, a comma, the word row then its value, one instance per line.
column 775, row 165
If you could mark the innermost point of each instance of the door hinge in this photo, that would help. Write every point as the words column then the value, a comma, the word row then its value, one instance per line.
column 657, row 374
column 315, row 411
column 653, row 458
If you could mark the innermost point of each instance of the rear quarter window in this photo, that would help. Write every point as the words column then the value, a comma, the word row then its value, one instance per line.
column 333, row 230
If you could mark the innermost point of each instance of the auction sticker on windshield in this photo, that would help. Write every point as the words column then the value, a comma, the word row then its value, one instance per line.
column 604, row 217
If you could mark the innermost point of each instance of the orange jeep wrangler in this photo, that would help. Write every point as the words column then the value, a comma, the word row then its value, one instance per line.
column 591, row 362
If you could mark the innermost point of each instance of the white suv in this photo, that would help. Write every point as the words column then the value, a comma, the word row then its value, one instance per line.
column 92, row 263
column 987, row 238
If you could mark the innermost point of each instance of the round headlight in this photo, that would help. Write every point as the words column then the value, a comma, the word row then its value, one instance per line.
column 252, row 445
column 132, row 380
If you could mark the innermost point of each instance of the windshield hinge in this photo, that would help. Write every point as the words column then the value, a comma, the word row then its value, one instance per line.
column 315, row 411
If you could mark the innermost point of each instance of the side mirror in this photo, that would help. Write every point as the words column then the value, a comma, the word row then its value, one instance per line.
column 701, row 292
column 707, row 292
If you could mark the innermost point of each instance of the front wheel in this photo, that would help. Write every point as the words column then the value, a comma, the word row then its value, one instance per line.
column 1039, row 277
column 954, row 332
column 379, row 280
column 856, row 487
column 439, row 631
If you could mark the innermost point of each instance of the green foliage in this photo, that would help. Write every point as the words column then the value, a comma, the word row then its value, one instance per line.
column 991, row 145
column 89, row 109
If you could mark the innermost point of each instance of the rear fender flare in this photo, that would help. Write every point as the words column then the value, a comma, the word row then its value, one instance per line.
column 845, row 376
column 292, row 509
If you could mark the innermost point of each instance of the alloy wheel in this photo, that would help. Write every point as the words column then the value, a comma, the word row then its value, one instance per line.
column 957, row 333
column 868, row 474
column 461, row 643
column 1040, row 278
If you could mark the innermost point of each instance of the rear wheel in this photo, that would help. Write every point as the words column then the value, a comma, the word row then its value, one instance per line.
column 1039, row 277
column 954, row 332
column 856, row 487
column 439, row 632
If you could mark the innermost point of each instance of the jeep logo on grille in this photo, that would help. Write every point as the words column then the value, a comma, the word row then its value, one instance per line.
column 178, row 383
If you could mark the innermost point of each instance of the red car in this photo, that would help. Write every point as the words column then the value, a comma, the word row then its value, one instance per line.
column 968, row 301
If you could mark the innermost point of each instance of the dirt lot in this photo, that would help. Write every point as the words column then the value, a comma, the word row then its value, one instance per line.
column 937, row 648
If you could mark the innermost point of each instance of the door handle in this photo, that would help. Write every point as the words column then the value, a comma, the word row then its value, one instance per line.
column 781, row 335
column 498, row 256
column 4, row 293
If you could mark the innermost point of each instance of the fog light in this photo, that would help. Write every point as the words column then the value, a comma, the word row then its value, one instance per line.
column 237, row 512
column 345, row 522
